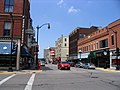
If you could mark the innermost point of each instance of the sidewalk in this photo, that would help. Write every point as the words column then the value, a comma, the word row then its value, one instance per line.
column 21, row 72
column 108, row 70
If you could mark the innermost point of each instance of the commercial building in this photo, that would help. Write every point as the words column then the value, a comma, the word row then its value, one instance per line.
column 74, row 36
column 16, row 33
column 49, row 54
column 62, row 48
column 102, row 46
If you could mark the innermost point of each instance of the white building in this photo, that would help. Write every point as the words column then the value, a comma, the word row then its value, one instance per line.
column 62, row 48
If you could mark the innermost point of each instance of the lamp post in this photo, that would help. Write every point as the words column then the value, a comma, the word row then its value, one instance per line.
column 67, row 55
column 105, row 53
column 12, row 26
column 37, row 49
column 80, row 51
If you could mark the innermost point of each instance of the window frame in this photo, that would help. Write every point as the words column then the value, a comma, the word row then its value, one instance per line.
column 7, row 28
column 8, row 5
column 112, row 40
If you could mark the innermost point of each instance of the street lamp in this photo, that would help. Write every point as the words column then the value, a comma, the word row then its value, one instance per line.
column 67, row 55
column 105, row 64
column 12, row 26
column 80, row 51
column 37, row 49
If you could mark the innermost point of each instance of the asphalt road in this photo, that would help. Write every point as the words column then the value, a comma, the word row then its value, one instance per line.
column 53, row 79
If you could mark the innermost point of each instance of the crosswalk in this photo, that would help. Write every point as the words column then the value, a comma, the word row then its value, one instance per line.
column 28, row 85
column 4, row 80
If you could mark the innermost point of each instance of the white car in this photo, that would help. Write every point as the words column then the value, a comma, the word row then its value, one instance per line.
column 89, row 66
column 42, row 63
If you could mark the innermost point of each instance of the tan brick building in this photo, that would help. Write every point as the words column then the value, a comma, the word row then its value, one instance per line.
column 104, row 40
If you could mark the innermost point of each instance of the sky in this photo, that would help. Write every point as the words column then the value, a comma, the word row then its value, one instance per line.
column 66, row 15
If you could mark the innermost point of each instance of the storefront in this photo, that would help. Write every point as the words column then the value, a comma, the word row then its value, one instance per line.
column 103, row 58
column 6, row 55
column 83, row 56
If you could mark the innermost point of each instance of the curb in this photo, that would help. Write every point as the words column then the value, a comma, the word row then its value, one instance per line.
column 107, row 70
column 21, row 72
column 7, row 72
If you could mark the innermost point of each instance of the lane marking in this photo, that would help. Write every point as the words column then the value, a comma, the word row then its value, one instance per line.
column 4, row 80
column 30, row 82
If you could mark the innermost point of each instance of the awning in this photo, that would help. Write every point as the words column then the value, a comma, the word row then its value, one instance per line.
column 25, row 53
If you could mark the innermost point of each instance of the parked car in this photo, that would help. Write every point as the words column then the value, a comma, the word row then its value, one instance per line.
column 72, row 64
column 79, row 65
column 42, row 63
column 88, row 66
column 64, row 65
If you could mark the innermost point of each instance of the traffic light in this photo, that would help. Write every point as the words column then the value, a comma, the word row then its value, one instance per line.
column 37, row 48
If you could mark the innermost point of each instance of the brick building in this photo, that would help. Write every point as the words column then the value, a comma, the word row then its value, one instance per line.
column 14, row 22
column 74, row 36
column 102, row 45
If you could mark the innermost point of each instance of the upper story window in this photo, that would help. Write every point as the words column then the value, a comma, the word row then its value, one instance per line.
column 65, row 39
column 104, row 43
column 65, row 44
column 81, row 35
column 8, row 6
column 112, row 39
column 7, row 27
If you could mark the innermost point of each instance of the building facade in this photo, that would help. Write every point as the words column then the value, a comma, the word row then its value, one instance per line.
column 49, row 54
column 15, row 23
column 102, row 46
column 74, row 36
column 62, row 48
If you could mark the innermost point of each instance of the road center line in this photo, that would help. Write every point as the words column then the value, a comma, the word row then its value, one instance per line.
column 30, row 82
column 4, row 80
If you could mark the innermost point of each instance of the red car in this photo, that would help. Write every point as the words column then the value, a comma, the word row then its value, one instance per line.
column 64, row 65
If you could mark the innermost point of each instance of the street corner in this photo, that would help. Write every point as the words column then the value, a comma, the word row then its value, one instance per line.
column 6, row 72
column 107, row 70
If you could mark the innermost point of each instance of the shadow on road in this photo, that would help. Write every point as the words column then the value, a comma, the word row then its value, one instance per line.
column 45, row 68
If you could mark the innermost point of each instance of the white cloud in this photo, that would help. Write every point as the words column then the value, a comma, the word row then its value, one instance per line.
column 73, row 10
column 60, row 2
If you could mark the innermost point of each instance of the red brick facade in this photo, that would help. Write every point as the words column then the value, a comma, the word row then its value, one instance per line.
column 19, row 18
column 92, row 41
column 21, row 7
column 107, row 40
column 75, row 36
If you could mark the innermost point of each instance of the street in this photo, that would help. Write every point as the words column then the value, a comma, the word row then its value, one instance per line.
column 53, row 79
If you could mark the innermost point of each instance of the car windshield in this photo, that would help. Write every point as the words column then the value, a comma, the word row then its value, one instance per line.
column 64, row 63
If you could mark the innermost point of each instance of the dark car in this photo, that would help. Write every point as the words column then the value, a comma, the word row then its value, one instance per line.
column 64, row 65
column 79, row 65
column 88, row 66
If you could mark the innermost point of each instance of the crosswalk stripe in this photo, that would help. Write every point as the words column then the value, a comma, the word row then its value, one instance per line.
column 4, row 80
column 30, row 83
